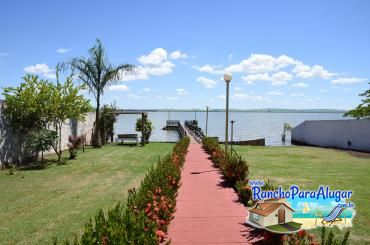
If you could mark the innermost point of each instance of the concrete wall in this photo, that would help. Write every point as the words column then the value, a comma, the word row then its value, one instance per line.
column 341, row 134
column 12, row 148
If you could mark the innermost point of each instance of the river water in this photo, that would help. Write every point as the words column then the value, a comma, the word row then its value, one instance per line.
column 247, row 126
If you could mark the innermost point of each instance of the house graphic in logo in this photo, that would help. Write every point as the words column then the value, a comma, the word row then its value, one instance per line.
column 274, row 215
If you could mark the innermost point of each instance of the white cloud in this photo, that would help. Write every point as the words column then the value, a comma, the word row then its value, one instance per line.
column 181, row 91
column 301, row 85
column 230, row 57
column 155, row 63
column 237, row 89
column 348, row 80
column 274, row 93
column 256, row 77
column 177, row 55
column 323, row 90
column 41, row 69
column 147, row 89
column 305, row 71
column 172, row 98
column 118, row 87
column 209, row 69
column 281, row 78
column 222, row 96
column 62, row 50
column 208, row 83
column 277, row 79
column 261, row 63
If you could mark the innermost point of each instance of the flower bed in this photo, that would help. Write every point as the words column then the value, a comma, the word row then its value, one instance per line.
column 149, row 210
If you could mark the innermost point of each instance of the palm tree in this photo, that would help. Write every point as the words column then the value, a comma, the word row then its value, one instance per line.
column 97, row 73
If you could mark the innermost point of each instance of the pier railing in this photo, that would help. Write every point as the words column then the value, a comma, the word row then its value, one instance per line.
column 193, row 128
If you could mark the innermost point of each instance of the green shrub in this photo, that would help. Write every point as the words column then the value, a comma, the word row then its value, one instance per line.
column 303, row 237
column 149, row 210
column 234, row 168
column 244, row 191
column 74, row 145
column 269, row 186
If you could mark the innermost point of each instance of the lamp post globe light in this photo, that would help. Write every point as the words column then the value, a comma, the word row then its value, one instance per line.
column 227, row 78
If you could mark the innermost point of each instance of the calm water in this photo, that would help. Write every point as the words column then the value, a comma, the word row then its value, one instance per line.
column 247, row 126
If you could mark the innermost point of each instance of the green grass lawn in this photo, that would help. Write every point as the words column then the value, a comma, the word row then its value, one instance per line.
column 310, row 167
column 36, row 205
column 280, row 228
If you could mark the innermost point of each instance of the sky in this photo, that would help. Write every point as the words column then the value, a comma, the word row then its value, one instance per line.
column 281, row 54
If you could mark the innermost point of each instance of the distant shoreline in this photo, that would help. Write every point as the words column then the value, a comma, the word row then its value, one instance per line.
column 246, row 110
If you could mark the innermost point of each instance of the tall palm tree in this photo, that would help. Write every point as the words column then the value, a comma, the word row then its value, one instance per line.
column 97, row 73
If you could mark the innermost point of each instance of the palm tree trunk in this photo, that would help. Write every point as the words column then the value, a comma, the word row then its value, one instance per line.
column 97, row 139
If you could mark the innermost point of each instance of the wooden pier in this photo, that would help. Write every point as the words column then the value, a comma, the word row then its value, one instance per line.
column 175, row 125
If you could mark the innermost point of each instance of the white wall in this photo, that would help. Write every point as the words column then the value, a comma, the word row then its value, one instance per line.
column 342, row 134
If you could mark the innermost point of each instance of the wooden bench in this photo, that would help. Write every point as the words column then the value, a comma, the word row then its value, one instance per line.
column 129, row 137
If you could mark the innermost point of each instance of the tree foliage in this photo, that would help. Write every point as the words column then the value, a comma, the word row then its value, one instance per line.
column 148, row 128
column 97, row 73
column 66, row 103
column 27, row 106
column 42, row 140
column 39, row 104
column 363, row 109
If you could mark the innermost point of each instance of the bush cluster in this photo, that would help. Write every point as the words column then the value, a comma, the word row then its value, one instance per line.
column 303, row 237
column 233, row 167
column 149, row 210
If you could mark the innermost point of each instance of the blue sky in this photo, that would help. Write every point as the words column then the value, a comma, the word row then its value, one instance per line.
column 282, row 54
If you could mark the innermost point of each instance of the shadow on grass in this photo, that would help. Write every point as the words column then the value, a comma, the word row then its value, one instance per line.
column 37, row 165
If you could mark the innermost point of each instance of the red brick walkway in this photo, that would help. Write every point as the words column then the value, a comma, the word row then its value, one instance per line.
column 207, row 213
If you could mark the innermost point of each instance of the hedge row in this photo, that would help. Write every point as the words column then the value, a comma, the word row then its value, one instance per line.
column 233, row 167
column 149, row 210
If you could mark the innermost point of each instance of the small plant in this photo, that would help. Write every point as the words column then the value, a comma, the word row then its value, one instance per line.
column 74, row 145
column 269, row 186
column 244, row 191
column 302, row 237
column 233, row 168
column 286, row 128
column 42, row 140
column 12, row 169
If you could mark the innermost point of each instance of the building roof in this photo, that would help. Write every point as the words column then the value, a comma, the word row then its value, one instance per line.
column 266, row 208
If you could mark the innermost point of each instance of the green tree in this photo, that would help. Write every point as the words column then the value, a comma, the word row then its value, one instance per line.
column 27, row 105
column 66, row 103
column 148, row 128
column 107, row 120
column 97, row 73
column 39, row 104
column 42, row 140
column 363, row 109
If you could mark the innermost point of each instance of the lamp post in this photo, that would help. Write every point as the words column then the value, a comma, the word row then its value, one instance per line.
column 227, row 78
column 207, row 121
column 232, row 135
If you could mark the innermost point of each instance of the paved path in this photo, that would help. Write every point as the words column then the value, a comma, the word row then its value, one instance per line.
column 207, row 213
